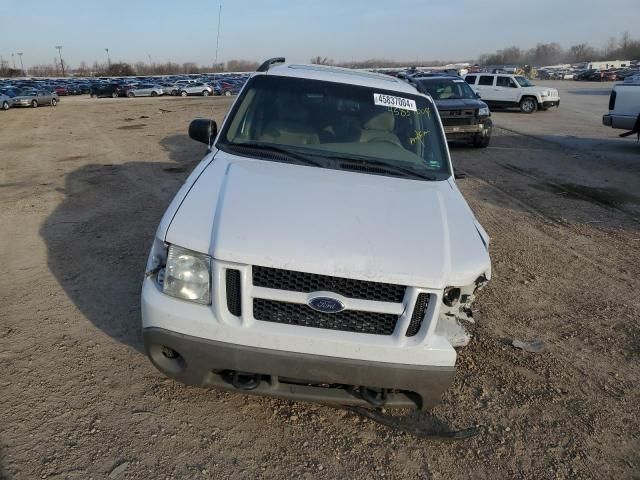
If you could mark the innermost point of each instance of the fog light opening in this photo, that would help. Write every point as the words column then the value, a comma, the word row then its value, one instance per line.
column 167, row 359
column 169, row 353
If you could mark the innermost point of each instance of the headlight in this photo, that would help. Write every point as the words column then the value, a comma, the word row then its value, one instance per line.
column 188, row 275
column 544, row 94
column 484, row 111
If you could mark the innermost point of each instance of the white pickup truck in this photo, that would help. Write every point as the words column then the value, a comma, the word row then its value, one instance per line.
column 624, row 106
column 504, row 90
column 321, row 250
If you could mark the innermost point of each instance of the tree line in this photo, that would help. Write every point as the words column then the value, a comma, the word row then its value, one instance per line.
column 624, row 48
column 124, row 69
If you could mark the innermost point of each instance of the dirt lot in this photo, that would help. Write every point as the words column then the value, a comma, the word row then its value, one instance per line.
column 83, row 187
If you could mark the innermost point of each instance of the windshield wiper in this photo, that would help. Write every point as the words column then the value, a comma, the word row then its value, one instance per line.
column 273, row 148
column 390, row 167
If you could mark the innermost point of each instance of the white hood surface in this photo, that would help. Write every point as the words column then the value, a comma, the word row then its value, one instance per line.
column 331, row 222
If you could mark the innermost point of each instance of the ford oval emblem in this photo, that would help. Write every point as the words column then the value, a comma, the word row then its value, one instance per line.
column 326, row 305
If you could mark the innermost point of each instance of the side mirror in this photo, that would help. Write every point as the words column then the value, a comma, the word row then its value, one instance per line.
column 203, row 130
column 459, row 176
column 478, row 95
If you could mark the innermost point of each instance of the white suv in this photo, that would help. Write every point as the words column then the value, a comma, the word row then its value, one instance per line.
column 321, row 250
column 504, row 90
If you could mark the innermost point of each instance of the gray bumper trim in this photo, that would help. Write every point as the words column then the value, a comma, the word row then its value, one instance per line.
column 203, row 362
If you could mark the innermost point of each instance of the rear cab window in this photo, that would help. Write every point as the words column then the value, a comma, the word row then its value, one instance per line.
column 486, row 80
column 470, row 79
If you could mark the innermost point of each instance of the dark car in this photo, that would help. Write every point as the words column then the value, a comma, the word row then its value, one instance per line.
column 584, row 75
column 106, row 90
column 464, row 116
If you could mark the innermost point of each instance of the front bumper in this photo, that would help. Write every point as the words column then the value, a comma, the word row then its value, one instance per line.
column 296, row 376
column 483, row 126
column 551, row 103
column 619, row 121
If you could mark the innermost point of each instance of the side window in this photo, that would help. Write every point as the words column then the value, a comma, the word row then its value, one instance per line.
column 470, row 79
column 503, row 81
column 486, row 80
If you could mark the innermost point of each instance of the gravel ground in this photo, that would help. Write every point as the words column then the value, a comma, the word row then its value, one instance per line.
column 83, row 187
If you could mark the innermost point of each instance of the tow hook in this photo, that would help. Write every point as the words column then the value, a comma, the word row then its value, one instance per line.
column 374, row 396
column 245, row 381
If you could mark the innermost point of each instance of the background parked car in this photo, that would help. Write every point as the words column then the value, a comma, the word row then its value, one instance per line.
column 196, row 89
column 464, row 116
column 145, row 90
column 6, row 102
column 105, row 90
column 35, row 98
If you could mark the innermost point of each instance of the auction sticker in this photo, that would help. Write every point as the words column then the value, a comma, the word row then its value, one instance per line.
column 391, row 101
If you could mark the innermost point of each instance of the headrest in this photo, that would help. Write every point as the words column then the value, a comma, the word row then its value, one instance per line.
column 384, row 121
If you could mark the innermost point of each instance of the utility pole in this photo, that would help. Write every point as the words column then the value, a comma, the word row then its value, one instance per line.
column 22, row 65
column 13, row 59
column 108, row 59
column 59, row 48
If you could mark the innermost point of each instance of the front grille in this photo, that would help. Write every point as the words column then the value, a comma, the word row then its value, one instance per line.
column 234, row 299
column 302, row 315
column 422, row 302
column 309, row 282
column 454, row 121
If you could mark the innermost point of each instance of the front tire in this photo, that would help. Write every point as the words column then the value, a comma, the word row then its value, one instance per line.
column 5, row 105
column 54, row 102
column 183, row 94
column 131, row 94
column 227, row 93
column 205, row 93
column 34, row 103
column 528, row 105
column 114, row 95
column 154, row 94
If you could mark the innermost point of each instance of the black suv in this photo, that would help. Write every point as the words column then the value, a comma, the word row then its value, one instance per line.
column 464, row 116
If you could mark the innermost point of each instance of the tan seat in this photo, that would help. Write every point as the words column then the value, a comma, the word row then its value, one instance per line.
column 379, row 128
column 289, row 133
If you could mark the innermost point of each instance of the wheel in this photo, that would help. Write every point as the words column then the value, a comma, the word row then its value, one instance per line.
column 227, row 93
column 92, row 95
column 183, row 93
column 205, row 93
column 131, row 94
column 5, row 105
column 54, row 102
column 154, row 94
column 114, row 95
column 528, row 105
column 34, row 103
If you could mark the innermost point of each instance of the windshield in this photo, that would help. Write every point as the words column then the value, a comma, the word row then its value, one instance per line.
column 335, row 125
column 447, row 89
column 524, row 82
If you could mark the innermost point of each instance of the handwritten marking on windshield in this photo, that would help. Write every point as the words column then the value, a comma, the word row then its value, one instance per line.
column 405, row 113
column 418, row 136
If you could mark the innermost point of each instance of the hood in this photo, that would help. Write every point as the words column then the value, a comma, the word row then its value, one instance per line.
column 330, row 222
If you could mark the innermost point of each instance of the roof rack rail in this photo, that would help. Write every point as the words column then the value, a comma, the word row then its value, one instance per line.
column 266, row 65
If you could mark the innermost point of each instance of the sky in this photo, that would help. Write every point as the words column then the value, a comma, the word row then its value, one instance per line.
column 343, row 30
